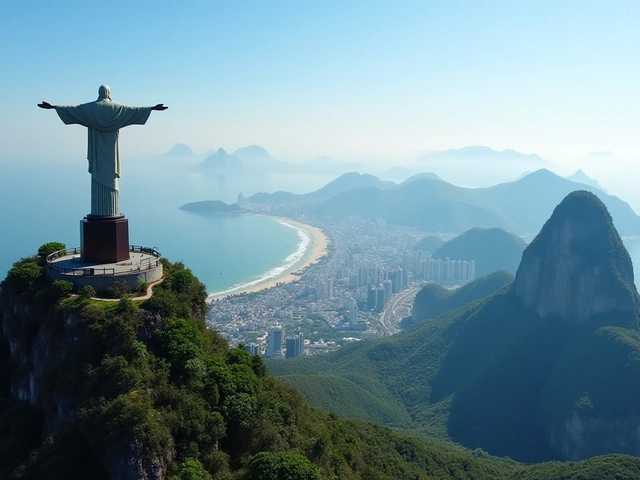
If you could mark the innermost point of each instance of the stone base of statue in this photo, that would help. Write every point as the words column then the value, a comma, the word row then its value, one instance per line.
column 104, row 239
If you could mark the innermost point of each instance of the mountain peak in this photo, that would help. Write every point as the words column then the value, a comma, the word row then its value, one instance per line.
column 577, row 266
column 180, row 150
column 582, row 177
column 251, row 151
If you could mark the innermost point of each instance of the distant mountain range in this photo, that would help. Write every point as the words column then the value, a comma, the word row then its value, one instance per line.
column 180, row 150
column 344, row 183
column 256, row 159
column 546, row 368
column 221, row 163
column 481, row 153
column 429, row 203
column 520, row 207
column 465, row 166
column 582, row 177
column 473, row 166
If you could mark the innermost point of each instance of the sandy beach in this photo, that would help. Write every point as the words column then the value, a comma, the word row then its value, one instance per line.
column 315, row 252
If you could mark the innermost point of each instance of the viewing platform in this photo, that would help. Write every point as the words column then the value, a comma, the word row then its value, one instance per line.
column 143, row 265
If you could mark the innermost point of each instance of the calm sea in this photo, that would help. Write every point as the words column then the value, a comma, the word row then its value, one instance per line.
column 45, row 202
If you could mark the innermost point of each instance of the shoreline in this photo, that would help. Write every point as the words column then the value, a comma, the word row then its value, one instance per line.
column 314, row 252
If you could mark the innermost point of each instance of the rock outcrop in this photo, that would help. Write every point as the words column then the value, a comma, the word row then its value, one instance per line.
column 37, row 344
column 577, row 266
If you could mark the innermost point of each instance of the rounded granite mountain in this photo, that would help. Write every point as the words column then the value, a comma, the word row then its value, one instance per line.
column 577, row 266
column 548, row 369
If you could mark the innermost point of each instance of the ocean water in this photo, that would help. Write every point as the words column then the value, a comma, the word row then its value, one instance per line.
column 42, row 202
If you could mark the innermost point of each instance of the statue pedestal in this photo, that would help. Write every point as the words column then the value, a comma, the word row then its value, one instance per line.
column 104, row 239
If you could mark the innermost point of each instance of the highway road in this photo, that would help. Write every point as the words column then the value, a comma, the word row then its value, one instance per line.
column 398, row 307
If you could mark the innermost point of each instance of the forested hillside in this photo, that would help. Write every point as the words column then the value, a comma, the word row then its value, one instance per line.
column 516, row 374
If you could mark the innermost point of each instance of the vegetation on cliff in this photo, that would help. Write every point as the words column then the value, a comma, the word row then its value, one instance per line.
column 496, row 375
column 433, row 300
column 142, row 389
column 104, row 390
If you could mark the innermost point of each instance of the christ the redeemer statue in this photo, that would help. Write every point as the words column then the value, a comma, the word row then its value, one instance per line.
column 103, row 119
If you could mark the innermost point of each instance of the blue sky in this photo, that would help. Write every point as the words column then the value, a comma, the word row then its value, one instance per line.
column 349, row 79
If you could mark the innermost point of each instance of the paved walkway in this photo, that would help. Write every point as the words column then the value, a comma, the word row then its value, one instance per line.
column 142, row 297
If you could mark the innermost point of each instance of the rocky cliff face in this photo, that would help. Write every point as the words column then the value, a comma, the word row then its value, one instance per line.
column 581, row 437
column 577, row 266
column 35, row 348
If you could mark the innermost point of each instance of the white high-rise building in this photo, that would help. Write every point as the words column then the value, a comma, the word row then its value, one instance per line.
column 352, row 309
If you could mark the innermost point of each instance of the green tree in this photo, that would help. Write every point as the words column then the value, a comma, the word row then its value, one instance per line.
column 24, row 275
column 87, row 291
column 192, row 469
column 49, row 248
column 63, row 288
column 282, row 466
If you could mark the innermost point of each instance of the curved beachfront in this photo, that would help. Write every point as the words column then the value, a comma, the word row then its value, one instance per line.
column 311, row 247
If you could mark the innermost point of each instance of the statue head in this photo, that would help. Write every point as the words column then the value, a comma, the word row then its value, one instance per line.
column 104, row 93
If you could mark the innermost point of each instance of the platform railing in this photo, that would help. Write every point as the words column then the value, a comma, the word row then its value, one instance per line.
column 145, row 263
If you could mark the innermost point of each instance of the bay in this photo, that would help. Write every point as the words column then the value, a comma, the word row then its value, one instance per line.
column 42, row 202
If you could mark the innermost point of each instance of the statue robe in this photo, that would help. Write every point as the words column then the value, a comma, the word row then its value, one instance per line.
column 103, row 119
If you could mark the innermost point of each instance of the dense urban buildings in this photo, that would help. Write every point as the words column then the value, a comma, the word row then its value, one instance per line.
column 343, row 297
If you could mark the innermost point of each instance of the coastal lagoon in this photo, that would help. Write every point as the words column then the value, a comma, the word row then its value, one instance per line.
column 45, row 202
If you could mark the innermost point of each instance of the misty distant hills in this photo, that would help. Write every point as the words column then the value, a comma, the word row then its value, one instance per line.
column 481, row 153
column 344, row 183
column 351, row 181
column 256, row 159
column 180, row 150
column 471, row 166
column 492, row 249
column 429, row 244
column 221, row 163
column 519, row 207
column 421, row 176
column 479, row 165
column 582, row 177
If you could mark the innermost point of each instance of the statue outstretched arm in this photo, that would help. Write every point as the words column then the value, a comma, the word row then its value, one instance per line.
column 46, row 105
column 159, row 107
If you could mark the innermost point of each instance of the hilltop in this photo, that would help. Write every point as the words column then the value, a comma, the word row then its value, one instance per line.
column 221, row 163
column 492, row 249
column 515, row 373
column 142, row 389
column 433, row 300
column 344, row 183
column 580, row 177
column 180, row 150
column 429, row 244
column 214, row 207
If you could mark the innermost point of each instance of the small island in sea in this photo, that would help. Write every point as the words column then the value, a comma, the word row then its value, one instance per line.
column 214, row 207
